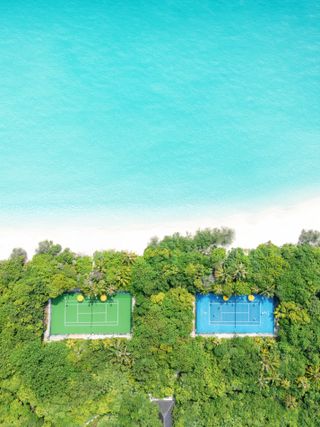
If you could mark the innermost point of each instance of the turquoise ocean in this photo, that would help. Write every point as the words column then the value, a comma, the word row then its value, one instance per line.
column 136, row 107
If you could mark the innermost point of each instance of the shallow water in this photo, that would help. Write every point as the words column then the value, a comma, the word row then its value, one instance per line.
column 113, row 106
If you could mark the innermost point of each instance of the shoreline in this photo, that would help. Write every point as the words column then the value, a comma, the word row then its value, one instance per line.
column 280, row 224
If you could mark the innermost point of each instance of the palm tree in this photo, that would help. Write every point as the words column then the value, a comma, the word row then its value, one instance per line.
column 303, row 383
column 240, row 272
column 269, row 291
column 129, row 258
column 111, row 289
column 290, row 401
column 120, row 354
column 222, row 275
column 313, row 372
column 269, row 366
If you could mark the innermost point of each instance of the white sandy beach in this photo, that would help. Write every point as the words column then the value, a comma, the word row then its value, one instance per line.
column 280, row 224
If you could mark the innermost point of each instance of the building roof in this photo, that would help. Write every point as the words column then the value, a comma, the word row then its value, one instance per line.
column 165, row 410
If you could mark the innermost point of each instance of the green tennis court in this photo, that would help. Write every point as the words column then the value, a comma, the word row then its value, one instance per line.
column 68, row 316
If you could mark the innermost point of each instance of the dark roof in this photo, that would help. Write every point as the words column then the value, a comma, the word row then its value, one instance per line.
column 165, row 410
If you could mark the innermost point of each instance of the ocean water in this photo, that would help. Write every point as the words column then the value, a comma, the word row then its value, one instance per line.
column 122, row 106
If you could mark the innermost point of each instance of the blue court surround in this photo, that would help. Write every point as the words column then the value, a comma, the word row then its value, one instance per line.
column 236, row 316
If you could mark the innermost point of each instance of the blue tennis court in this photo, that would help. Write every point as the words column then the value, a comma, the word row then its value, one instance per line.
column 238, row 315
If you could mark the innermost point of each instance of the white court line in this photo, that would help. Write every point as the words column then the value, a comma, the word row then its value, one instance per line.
column 235, row 311
column 106, row 323
column 95, row 302
column 65, row 311
column 92, row 324
column 242, row 323
column 117, row 303
column 84, row 313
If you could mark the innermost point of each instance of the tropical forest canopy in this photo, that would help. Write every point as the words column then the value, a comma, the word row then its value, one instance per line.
column 215, row 382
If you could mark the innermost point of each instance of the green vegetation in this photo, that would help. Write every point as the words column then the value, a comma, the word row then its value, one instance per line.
column 312, row 237
column 230, row 383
